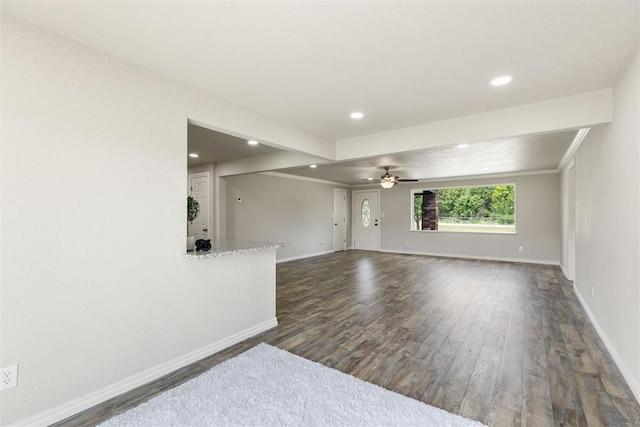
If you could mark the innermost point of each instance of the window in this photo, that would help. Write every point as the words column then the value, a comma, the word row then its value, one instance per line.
column 489, row 209
column 365, row 213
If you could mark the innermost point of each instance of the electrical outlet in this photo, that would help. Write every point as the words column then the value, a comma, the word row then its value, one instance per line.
column 9, row 377
column 521, row 248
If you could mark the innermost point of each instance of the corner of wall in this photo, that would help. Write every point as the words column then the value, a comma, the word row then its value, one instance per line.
column 631, row 380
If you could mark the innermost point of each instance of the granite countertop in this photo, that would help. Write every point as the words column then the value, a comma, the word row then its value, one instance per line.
column 234, row 247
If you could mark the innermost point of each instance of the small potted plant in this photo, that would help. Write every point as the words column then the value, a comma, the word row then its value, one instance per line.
column 193, row 209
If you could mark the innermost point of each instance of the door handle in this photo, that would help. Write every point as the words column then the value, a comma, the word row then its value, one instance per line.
column 335, row 223
column 205, row 230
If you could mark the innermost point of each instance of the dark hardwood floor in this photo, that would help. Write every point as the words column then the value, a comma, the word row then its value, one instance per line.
column 502, row 343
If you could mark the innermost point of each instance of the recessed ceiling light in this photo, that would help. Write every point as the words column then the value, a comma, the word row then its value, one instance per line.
column 369, row 179
column 485, row 169
column 463, row 145
column 357, row 115
column 252, row 142
column 194, row 155
column 313, row 166
column 502, row 80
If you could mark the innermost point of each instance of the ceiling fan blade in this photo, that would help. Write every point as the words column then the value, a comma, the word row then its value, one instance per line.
column 407, row 180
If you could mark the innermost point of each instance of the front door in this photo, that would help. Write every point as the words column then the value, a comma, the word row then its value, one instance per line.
column 366, row 230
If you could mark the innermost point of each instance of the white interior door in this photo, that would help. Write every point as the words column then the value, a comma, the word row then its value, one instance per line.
column 366, row 231
column 339, row 219
column 199, row 190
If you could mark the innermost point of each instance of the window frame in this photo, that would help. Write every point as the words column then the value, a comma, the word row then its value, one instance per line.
column 414, row 191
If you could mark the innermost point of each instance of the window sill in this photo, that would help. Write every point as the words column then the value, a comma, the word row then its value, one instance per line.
column 493, row 233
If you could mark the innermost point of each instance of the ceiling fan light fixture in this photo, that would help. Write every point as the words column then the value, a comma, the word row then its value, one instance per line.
column 387, row 180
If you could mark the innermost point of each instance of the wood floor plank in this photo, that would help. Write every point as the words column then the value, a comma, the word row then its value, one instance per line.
column 451, row 393
column 475, row 405
column 503, row 343
column 507, row 398
column 537, row 409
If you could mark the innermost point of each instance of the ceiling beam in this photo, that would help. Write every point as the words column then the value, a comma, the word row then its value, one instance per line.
column 209, row 111
column 266, row 162
column 572, row 112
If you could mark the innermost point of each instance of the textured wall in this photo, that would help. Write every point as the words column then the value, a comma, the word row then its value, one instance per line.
column 281, row 209
column 95, row 288
column 537, row 223
column 608, row 225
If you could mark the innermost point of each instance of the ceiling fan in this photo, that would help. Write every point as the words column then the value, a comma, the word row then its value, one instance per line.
column 388, row 180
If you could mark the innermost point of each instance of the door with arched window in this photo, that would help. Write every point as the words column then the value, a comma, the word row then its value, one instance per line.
column 366, row 225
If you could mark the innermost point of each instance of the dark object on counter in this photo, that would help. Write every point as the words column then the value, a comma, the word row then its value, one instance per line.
column 203, row 245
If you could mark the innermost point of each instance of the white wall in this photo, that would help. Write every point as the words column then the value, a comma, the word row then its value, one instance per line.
column 608, row 226
column 299, row 213
column 537, row 223
column 94, row 286
column 282, row 210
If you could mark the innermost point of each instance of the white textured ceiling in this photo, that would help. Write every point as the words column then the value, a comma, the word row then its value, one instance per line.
column 526, row 153
column 403, row 63
column 504, row 156
column 309, row 64
column 215, row 147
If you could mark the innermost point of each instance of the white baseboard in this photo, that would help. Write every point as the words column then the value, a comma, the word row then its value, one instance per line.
column 75, row 406
column 488, row 258
column 630, row 380
column 564, row 270
column 293, row 258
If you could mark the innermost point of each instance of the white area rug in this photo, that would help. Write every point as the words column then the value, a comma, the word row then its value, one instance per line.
column 266, row 386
